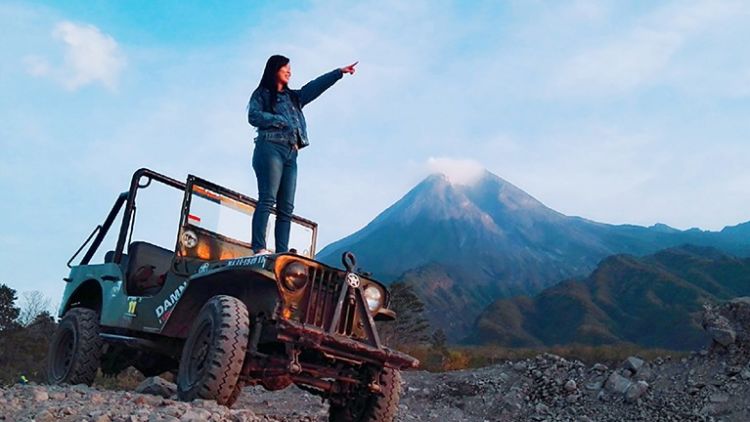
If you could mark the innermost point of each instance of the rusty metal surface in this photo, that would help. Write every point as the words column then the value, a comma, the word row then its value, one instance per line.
column 328, row 303
column 339, row 346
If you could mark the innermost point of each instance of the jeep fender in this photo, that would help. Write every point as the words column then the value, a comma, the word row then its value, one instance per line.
column 88, row 294
column 88, row 286
column 256, row 289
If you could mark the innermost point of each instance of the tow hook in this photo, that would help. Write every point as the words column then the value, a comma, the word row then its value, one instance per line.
column 374, row 387
column 294, row 365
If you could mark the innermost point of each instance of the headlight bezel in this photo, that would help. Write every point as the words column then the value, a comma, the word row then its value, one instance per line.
column 374, row 295
column 294, row 276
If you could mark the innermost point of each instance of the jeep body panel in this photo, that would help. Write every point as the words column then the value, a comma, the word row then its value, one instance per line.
column 117, row 308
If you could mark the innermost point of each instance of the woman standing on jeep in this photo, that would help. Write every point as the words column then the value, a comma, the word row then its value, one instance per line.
column 276, row 111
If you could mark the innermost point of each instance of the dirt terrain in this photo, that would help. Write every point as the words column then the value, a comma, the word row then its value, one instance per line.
column 712, row 384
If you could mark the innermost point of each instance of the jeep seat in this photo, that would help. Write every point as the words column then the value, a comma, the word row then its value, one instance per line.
column 148, row 265
column 109, row 257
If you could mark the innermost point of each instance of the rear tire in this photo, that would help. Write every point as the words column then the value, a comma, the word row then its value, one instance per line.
column 214, row 352
column 371, row 407
column 75, row 349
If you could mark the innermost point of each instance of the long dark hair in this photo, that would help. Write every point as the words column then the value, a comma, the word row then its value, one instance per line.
column 268, row 80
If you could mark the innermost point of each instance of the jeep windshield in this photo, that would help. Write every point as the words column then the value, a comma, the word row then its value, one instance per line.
column 217, row 224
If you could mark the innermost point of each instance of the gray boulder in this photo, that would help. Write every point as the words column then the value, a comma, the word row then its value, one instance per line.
column 645, row 373
column 617, row 383
column 598, row 367
column 594, row 385
column 635, row 391
column 156, row 386
column 718, row 327
column 723, row 336
column 633, row 364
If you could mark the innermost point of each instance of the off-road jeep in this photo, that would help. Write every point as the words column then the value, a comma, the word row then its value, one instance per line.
column 221, row 318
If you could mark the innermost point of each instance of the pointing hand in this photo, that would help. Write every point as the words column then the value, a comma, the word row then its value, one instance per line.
column 349, row 69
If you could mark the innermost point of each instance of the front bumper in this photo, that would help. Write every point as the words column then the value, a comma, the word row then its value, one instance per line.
column 341, row 347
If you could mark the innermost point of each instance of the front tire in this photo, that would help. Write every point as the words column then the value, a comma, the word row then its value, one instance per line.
column 76, row 348
column 214, row 352
column 371, row 407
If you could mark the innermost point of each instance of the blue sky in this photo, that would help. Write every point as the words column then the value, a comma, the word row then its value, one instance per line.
column 621, row 112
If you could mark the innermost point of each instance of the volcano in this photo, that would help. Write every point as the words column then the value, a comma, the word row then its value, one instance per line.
column 464, row 245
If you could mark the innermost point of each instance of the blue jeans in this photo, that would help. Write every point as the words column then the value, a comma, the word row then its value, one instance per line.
column 275, row 167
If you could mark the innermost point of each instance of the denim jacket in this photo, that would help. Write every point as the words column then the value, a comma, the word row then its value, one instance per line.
column 285, row 123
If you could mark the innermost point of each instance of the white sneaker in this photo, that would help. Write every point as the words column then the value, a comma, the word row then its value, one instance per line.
column 262, row 252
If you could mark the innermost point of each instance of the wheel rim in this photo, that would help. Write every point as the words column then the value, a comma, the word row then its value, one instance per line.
column 199, row 352
column 64, row 354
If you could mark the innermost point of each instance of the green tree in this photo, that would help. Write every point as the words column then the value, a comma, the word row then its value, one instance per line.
column 410, row 326
column 8, row 311
column 439, row 340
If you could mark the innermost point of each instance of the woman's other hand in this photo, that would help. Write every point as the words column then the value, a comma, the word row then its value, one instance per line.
column 349, row 69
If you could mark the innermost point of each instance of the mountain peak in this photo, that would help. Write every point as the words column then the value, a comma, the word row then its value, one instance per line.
column 456, row 171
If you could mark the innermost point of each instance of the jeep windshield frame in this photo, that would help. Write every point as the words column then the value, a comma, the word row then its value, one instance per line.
column 142, row 178
column 222, row 243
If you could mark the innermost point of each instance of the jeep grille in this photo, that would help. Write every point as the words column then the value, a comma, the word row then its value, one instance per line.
column 322, row 296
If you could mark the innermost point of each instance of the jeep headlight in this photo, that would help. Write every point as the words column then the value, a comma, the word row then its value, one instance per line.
column 374, row 297
column 294, row 276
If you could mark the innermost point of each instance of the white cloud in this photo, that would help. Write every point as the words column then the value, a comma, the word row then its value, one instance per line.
column 643, row 54
column 36, row 65
column 458, row 171
column 90, row 56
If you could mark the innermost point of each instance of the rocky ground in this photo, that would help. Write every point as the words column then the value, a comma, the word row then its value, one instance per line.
column 713, row 384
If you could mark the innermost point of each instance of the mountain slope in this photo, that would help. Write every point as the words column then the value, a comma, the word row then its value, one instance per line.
column 652, row 301
column 490, row 239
